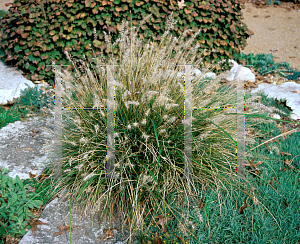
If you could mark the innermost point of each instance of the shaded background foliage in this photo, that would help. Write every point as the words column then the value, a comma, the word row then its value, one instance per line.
column 39, row 32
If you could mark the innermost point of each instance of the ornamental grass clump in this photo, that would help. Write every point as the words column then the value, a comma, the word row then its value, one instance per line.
column 148, row 131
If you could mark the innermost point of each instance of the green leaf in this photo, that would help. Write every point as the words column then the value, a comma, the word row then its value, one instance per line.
column 96, row 43
column 20, row 182
column 29, row 214
column 3, row 214
column 36, row 203
column 3, row 230
column 17, row 48
column 30, row 205
column 31, row 57
column 83, row 25
column 13, row 209
column 12, row 199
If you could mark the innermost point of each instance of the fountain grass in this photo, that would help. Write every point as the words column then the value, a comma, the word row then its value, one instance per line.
column 149, row 135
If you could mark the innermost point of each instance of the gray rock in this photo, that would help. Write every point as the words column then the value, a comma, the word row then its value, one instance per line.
column 57, row 214
column 23, row 150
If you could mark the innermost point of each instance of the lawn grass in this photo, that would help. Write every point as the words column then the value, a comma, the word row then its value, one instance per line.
column 218, row 219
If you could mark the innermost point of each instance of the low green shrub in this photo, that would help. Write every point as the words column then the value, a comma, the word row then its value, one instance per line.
column 3, row 13
column 31, row 101
column 44, row 30
column 17, row 197
column 271, row 2
column 35, row 99
column 7, row 117
column 265, row 64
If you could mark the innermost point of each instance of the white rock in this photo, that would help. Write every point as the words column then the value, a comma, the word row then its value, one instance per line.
column 12, row 83
column 244, row 74
column 288, row 90
column 276, row 116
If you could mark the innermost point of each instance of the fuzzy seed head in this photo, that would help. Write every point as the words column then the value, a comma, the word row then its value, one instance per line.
column 145, row 136
column 144, row 121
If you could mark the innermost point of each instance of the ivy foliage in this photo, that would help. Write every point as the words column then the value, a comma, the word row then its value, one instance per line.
column 39, row 32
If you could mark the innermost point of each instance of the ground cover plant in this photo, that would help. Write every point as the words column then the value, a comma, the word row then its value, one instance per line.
column 31, row 102
column 20, row 201
column 234, row 230
column 264, row 64
column 271, row 2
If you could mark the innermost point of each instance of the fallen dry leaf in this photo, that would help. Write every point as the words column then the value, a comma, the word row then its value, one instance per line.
column 245, row 205
column 288, row 163
column 6, row 108
column 286, row 153
column 274, row 179
column 108, row 233
column 181, row 239
column 202, row 204
column 255, row 165
column 64, row 228
column 246, row 108
column 37, row 211
column 256, row 170
column 163, row 221
column 32, row 175
column 282, row 131
column 34, row 223
column 42, row 176
column 12, row 240
column 157, row 240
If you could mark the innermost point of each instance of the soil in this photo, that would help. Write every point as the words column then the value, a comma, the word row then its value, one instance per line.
column 276, row 30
